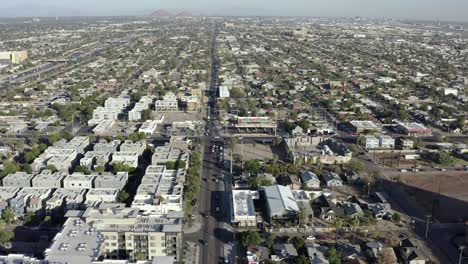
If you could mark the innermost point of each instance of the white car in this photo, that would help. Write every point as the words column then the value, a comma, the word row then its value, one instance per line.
column 311, row 238
column 403, row 170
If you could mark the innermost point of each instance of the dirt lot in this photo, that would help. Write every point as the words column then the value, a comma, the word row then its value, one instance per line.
column 256, row 151
column 444, row 193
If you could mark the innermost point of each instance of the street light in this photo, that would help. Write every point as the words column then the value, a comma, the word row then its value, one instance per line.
column 462, row 247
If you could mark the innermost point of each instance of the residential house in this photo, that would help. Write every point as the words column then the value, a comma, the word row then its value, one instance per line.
column 331, row 179
column 310, row 180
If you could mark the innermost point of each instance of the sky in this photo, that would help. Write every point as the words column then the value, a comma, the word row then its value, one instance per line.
column 449, row 10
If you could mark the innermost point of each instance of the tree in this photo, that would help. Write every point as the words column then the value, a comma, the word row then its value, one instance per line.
column 250, row 238
column 302, row 260
column 355, row 223
column 355, row 165
column 337, row 224
column 54, row 138
column 100, row 169
column 252, row 166
column 396, row 217
column 298, row 242
column 6, row 236
column 443, row 158
column 301, row 216
column 82, row 169
column 135, row 136
column 26, row 168
column 29, row 156
column 51, row 168
column 146, row 114
column 123, row 196
column 180, row 164
column 236, row 92
column 270, row 241
column 170, row 165
column 9, row 168
column 8, row 215
column 333, row 256
column 28, row 218
column 460, row 122
column 119, row 166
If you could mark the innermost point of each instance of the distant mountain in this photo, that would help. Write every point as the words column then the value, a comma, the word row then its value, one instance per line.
column 184, row 14
column 160, row 13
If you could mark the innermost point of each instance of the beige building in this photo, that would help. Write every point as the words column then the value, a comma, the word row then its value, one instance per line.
column 14, row 57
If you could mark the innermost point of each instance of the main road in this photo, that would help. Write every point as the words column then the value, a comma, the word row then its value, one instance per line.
column 216, row 237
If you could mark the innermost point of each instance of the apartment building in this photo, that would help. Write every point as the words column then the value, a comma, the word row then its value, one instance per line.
column 127, row 158
column 93, row 159
column 78, row 180
column 6, row 194
column 65, row 199
column 129, row 146
column 48, row 179
column 95, row 197
column 160, row 191
column 109, row 180
column 104, row 146
column 143, row 104
column 168, row 103
column 18, row 179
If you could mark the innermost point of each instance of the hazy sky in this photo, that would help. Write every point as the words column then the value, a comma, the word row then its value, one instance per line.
column 418, row 9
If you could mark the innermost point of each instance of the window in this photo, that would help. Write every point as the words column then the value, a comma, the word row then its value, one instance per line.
column 113, row 244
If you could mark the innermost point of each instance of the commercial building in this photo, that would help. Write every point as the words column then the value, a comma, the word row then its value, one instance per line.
column 243, row 210
column 148, row 127
column 414, row 129
column 386, row 142
column 224, row 91
column 371, row 142
column 364, row 126
column 180, row 142
column 13, row 57
column 280, row 202
column 103, row 128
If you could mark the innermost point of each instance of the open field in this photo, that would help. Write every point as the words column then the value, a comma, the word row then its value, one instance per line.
column 443, row 193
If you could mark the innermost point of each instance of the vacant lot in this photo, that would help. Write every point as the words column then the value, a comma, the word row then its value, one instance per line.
column 444, row 193
column 256, row 151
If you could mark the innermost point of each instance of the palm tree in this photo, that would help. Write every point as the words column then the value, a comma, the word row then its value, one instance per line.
column 355, row 223
column 301, row 215
column 337, row 224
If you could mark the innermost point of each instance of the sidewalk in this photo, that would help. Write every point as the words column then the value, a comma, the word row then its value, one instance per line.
column 191, row 253
column 196, row 226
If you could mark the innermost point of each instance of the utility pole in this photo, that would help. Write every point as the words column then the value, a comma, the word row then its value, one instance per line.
column 231, row 161
column 427, row 225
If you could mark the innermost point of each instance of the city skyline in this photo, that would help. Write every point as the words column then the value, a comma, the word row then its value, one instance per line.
column 451, row 10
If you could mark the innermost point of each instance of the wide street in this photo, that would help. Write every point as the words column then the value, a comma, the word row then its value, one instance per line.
column 216, row 237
